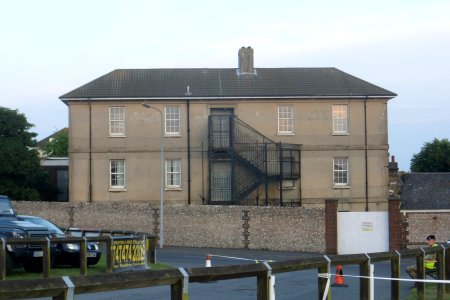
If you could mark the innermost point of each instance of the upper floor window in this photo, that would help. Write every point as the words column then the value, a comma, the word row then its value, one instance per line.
column 117, row 121
column 172, row 117
column 117, row 173
column 340, row 171
column 173, row 173
column 285, row 119
column 340, row 118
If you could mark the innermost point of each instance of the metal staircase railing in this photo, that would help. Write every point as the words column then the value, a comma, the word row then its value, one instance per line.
column 256, row 159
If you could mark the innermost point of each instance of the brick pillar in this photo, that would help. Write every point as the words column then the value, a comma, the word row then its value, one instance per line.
column 246, row 228
column 331, row 226
column 395, row 224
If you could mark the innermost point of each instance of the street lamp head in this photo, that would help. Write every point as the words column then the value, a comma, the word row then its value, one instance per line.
column 146, row 105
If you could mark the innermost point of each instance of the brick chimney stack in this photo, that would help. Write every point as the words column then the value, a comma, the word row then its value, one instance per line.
column 246, row 60
column 393, row 177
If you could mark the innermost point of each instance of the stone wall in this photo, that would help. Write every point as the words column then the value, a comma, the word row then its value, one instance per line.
column 114, row 216
column 273, row 228
column 419, row 225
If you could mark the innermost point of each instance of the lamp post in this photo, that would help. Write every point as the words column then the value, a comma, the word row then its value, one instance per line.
column 161, row 188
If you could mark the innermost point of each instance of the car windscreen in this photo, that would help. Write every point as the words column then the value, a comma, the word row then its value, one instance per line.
column 52, row 227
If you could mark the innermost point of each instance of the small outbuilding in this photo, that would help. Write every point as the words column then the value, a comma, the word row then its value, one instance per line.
column 425, row 206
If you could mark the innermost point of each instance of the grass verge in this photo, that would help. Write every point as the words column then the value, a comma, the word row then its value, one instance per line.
column 99, row 268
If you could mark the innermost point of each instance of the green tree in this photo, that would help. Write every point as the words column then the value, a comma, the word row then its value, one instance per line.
column 58, row 146
column 433, row 157
column 20, row 172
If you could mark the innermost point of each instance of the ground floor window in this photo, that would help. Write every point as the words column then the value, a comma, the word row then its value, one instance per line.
column 340, row 171
column 117, row 173
column 173, row 173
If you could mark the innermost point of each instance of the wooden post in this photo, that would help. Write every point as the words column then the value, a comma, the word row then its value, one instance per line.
column 395, row 273
column 83, row 257
column 440, row 268
column 176, row 290
column 150, row 245
column 184, row 284
column 262, row 283
column 420, row 261
column 322, row 282
column 46, row 261
column 364, row 286
column 109, row 255
column 3, row 259
column 447, row 269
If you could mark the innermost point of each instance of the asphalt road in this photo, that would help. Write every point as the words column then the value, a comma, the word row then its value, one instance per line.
column 294, row 285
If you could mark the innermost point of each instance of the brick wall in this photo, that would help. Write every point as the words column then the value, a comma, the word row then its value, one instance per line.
column 273, row 228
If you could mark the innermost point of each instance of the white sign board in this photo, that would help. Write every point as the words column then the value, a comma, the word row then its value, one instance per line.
column 362, row 232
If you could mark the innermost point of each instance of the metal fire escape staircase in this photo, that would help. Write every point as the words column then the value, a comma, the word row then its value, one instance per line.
column 255, row 161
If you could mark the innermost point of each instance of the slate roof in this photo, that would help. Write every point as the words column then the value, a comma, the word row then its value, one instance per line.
column 425, row 191
column 227, row 83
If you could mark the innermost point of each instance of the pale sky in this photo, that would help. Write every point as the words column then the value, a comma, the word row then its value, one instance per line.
column 49, row 48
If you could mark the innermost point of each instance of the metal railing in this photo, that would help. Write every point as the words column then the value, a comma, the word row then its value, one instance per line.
column 263, row 159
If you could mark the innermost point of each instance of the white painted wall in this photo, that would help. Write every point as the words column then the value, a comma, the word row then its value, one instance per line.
column 362, row 232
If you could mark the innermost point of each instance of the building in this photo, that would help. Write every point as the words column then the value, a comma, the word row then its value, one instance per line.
column 57, row 169
column 425, row 207
column 246, row 136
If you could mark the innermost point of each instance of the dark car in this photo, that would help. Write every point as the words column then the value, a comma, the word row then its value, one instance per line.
column 28, row 255
column 69, row 253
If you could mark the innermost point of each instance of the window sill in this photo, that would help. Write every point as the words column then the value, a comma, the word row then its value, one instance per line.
column 173, row 189
column 172, row 135
column 341, row 186
column 117, row 189
column 285, row 134
column 117, row 136
column 340, row 134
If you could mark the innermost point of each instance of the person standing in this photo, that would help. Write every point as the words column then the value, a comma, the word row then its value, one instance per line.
column 430, row 259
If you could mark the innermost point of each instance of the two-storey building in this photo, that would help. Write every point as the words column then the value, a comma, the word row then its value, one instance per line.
column 250, row 136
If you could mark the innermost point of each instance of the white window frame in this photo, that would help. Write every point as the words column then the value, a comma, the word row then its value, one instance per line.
column 172, row 120
column 117, row 121
column 340, row 118
column 117, row 175
column 172, row 174
column 341, row 171
column 285, row 115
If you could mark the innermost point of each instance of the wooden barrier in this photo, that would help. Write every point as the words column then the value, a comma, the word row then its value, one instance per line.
column 45, row 243
column 58, row 288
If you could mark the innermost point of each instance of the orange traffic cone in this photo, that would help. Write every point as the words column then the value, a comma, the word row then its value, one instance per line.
column 339, row 279
column 208, row 261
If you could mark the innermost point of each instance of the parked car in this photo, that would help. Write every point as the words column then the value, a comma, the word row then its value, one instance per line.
column 27, row 255
column 69, row 253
